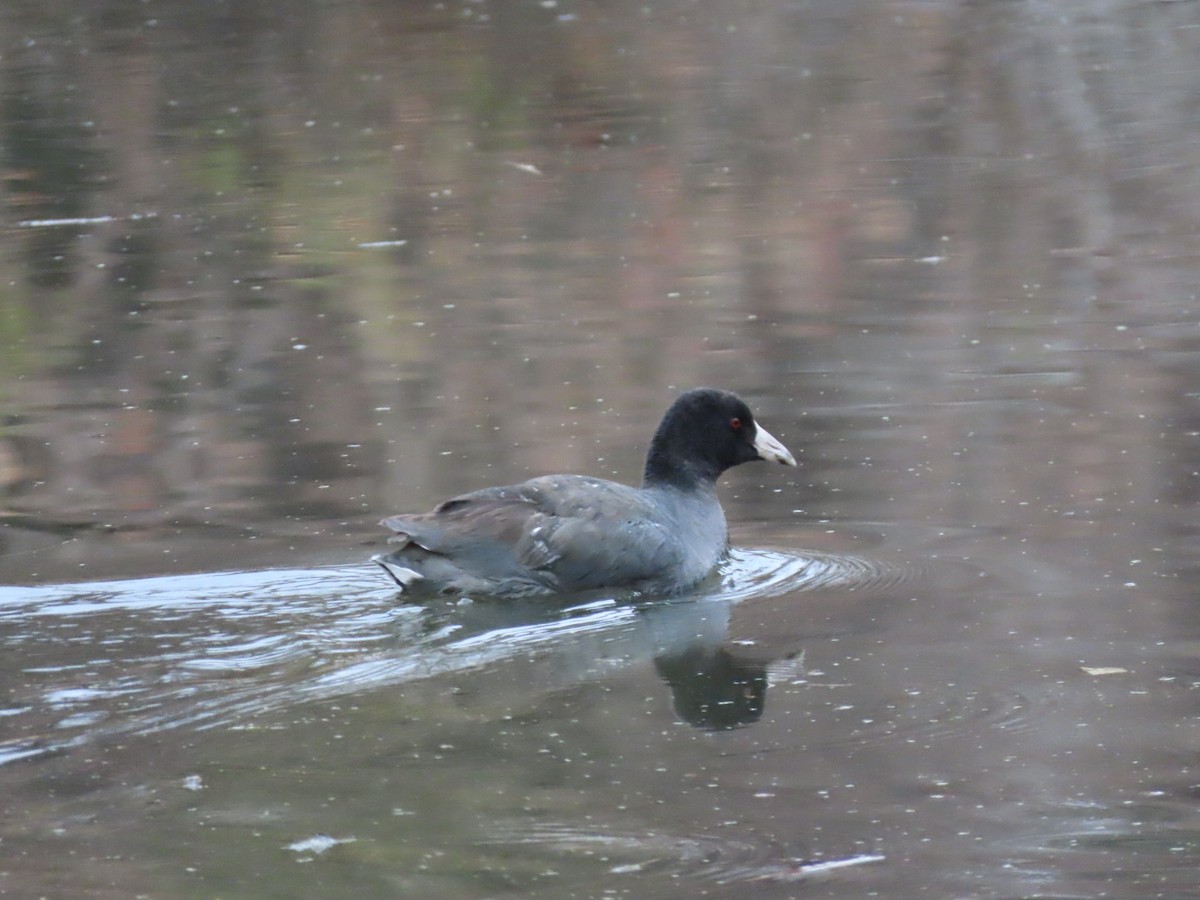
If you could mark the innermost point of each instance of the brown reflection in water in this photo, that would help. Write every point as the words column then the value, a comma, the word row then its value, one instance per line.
column 328, row 262
column 408, row 231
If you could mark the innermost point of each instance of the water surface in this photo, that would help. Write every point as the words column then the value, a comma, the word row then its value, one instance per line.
column 271, row 273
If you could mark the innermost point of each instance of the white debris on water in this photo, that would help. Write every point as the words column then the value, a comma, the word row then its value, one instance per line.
column 318, row 844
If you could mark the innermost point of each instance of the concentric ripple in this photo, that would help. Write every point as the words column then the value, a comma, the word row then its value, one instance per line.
column 927, row 720
column 749, row 573
column 702, row 857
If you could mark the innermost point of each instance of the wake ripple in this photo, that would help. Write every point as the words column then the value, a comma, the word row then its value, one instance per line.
column 205, row 651
column 749, row 573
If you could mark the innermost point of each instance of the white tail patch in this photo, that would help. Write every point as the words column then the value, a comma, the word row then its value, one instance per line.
column 403, row 577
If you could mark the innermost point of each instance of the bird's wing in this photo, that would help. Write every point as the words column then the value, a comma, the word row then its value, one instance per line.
column 575, row 532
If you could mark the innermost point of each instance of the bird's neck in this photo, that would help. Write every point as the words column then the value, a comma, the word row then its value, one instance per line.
column 663, row 470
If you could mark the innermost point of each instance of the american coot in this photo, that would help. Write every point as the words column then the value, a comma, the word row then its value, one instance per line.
column 566, row 533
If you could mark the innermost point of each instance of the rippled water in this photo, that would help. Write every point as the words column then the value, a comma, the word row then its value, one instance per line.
column 171, row 658
column 220, row 648
column 270, row 274
column 790, row 711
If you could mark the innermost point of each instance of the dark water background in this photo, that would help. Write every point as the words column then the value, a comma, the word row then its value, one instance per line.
column 269, row 271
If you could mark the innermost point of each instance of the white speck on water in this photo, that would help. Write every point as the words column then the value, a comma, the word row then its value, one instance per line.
column 318, row 844
column 528, row 168
column 376, row 245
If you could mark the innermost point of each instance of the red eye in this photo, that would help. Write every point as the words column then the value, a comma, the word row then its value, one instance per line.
column 735, row 423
